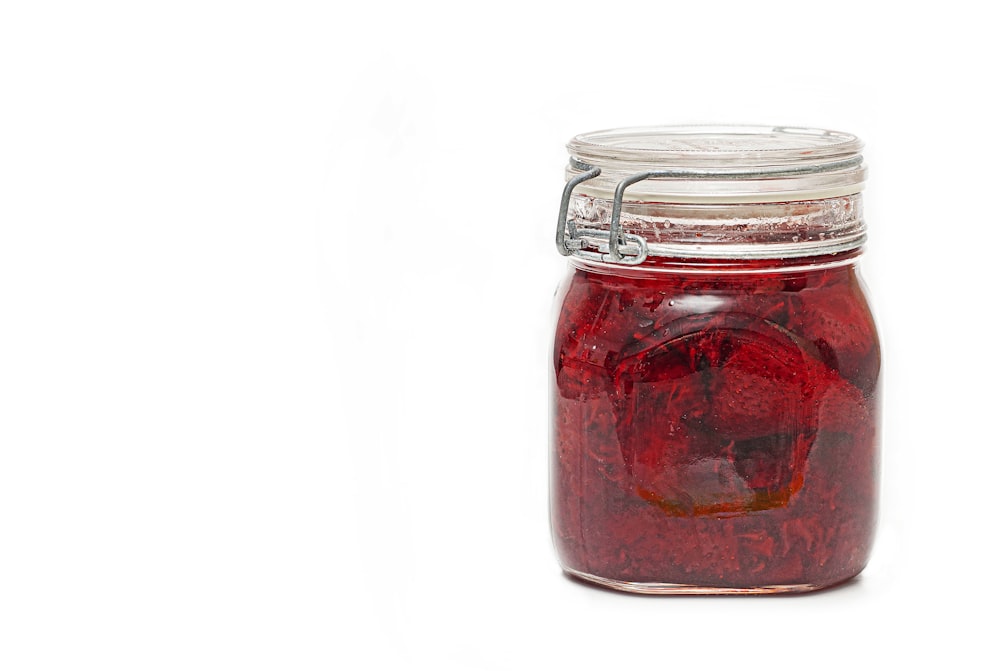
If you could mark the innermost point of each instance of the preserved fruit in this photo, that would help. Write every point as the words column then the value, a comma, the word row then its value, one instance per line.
column 715, row 429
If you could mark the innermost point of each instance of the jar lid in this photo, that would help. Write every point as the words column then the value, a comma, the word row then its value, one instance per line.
column 720, row 164
column 711, row 192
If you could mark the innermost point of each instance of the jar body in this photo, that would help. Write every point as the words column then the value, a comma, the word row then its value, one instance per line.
column 715, row 426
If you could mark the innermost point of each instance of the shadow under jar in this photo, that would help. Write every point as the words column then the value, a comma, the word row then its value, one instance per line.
column 715, row 377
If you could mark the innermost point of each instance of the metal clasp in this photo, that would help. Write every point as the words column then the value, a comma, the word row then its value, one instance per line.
column 611, row 246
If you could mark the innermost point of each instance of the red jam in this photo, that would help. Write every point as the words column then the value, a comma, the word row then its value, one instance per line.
column 715, row 426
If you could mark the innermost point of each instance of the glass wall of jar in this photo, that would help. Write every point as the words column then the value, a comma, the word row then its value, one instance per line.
column 716, row 367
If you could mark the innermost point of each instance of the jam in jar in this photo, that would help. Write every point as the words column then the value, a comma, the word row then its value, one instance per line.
column 715, row 372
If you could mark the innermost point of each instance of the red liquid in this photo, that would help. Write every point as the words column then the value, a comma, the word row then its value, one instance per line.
column 715, row 430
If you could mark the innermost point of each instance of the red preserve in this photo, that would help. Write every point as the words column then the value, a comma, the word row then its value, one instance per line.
column 716, row 366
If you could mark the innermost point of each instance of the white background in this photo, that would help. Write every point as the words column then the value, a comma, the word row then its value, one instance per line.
column 275, row 290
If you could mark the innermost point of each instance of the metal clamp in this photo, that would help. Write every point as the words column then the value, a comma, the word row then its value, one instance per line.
column 611, row 246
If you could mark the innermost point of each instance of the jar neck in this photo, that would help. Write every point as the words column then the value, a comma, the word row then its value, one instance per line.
column 720, row 233
column 657, row 266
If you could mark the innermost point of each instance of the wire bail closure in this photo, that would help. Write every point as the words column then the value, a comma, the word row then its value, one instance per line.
column 610, row 246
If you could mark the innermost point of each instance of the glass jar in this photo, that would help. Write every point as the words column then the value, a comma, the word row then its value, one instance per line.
column 715, row 378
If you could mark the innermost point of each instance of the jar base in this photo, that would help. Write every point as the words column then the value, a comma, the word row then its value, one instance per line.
column 682, row 589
